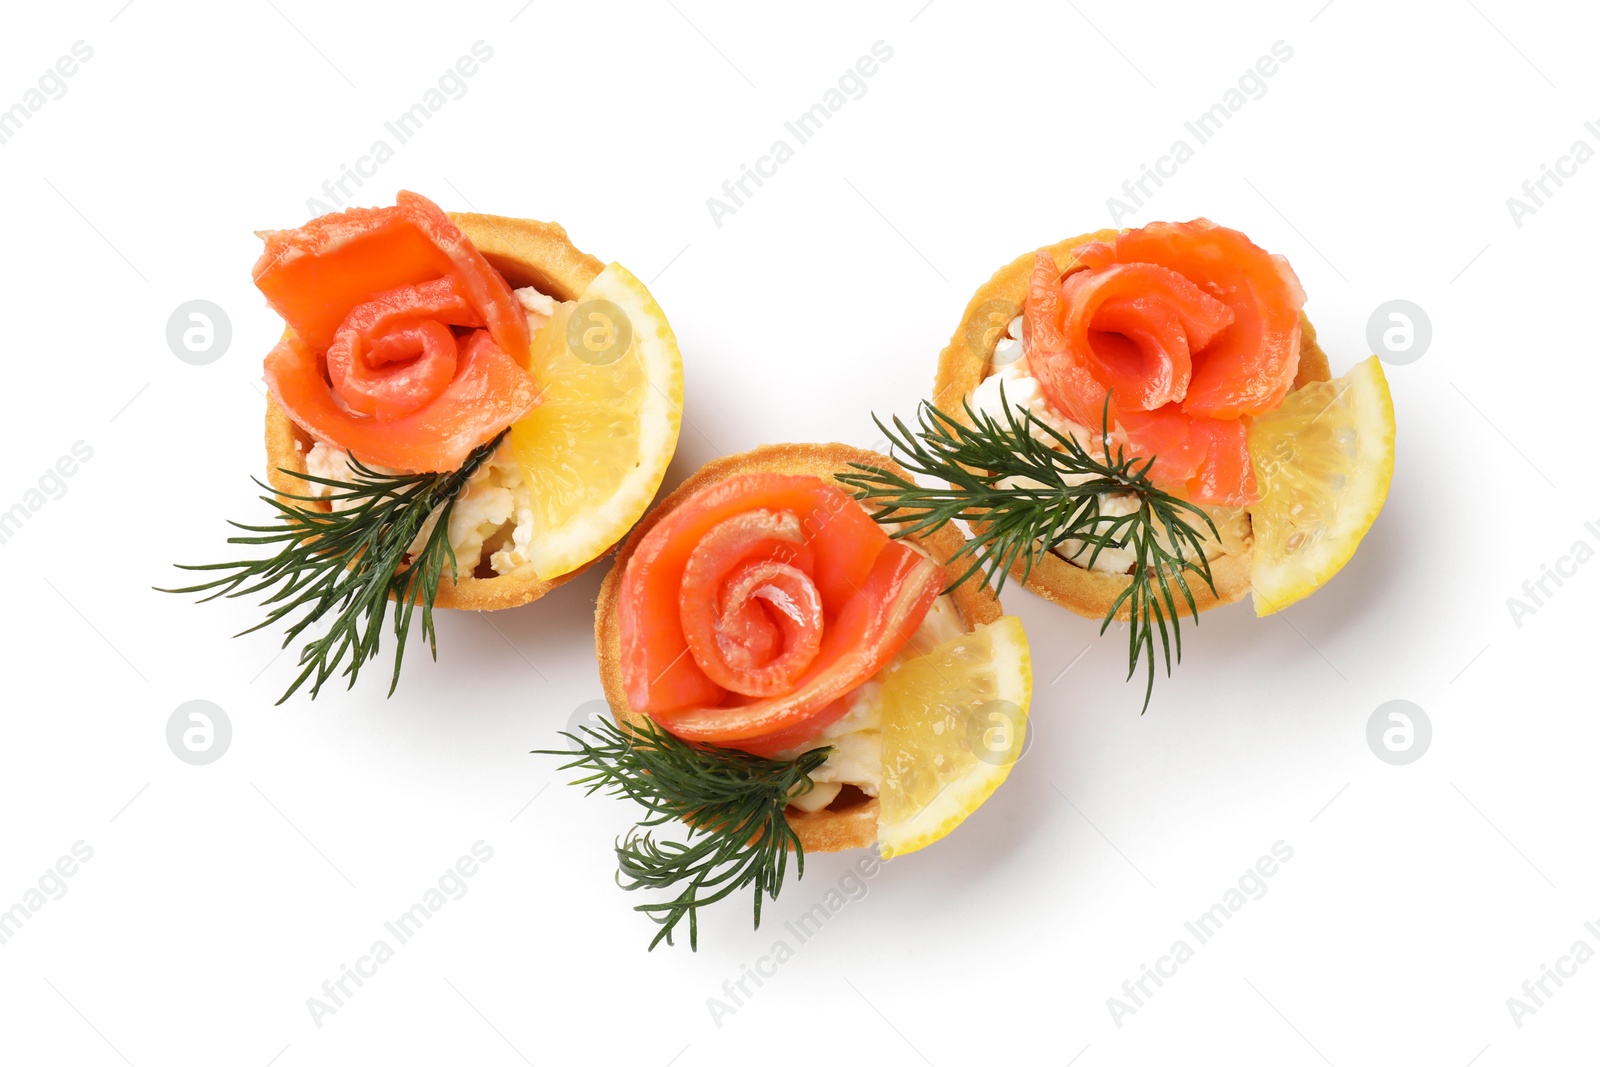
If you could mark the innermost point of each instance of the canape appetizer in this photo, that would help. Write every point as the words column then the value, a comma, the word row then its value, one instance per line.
column 785, row 676
column 464, row 412
column 1140, row 423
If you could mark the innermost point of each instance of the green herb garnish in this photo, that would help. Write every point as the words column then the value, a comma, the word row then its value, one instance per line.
column 348, row 563
column 1056, row 498
column 733, row 802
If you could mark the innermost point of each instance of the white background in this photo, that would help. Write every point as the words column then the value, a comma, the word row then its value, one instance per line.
column 219, row 898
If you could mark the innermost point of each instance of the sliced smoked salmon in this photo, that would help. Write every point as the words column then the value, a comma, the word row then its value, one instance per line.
column 1251, row 365
column 405, row 347
column 314, row 275
column 489, row 391
column 755, row 605
column 1189, row 327
column 394, row 353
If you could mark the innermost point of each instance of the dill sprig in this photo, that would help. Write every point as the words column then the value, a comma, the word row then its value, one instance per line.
column 733, row 802
column 1024, row 495
column 348, row 563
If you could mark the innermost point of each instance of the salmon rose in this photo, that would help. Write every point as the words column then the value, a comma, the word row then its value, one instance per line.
column 1190, row 328
column 405, row 347
column 749, row 611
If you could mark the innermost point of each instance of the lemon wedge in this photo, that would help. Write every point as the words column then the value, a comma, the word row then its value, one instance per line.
column 595, row 448
column 1323, row 463
column 954, row 721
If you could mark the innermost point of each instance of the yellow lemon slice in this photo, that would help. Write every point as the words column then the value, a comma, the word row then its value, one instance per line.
column 595, row 448
column 954, row 721
column 1323, row 463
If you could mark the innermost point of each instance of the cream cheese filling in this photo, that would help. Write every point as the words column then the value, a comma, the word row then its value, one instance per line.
column 857, row 736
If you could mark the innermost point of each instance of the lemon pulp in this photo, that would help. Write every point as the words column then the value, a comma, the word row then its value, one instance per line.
column 954, row 721
column 1323, row 463
column 596, row 446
